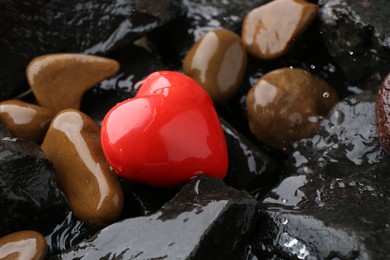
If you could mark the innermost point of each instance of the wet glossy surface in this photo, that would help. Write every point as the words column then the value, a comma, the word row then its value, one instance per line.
column 88, row 26
column 382, row 114
column 187, row 227
column 26, row 120
column 258, row 172
column 348, row 135
column 267, row 36
column 286, row 105
column 165, row 135
column 29, row 196
column 91, row 188
column 335, row 198
column 58, row 81
column 217, row 61
column 23, row 245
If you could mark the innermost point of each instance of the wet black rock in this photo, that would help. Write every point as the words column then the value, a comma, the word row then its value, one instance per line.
column 334, row 202
column 135, row 64
column 357, row 36
column 31, row 28
column 205, row 220
column 346, row 142
column 250, row 168
column 66, row 234
column 29, row 197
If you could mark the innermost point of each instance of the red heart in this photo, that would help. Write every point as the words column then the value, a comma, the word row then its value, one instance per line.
column 165, row 135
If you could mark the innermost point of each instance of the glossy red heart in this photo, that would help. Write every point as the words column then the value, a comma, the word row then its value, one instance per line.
column 165, row 135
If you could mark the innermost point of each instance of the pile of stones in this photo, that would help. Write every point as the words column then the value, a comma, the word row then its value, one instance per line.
column 302, row 91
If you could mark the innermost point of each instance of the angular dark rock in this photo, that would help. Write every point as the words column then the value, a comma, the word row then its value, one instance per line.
column 32, row 28
column 29, row 197
column 205, row 220
column 356, row 34
column 250, row 168
column 334, row 202
column 66, row 234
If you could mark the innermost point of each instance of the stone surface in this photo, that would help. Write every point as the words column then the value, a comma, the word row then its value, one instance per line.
column 90, row 186
column 382, row 113
column 67, row 233
column 364, row 56
column 187, row 227
column 23, row 245
column 250, row 168
column 58, row 81
column 269, row 30
column 26, row 120
column 286, row 105
column 29, row 197
column 34, row 28
column 217, row 61
column 201, row 16
column 334, row 201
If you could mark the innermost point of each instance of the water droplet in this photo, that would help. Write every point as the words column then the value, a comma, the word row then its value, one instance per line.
column 284, row 221
column 312, row 67
column 326, row 95
column 350, row 52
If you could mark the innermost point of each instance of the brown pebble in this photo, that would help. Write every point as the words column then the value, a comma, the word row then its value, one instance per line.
column 23, row 245
column 25, row 120
column 59, row 81
column 269, row 30
column 382, row 114
column 217, row 61
column 90, row 186
column 286, row 104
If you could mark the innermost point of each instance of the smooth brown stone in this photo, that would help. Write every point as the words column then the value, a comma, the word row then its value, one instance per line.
column 382, row 114
column 269, row 30
column 90, row 186
column 217, row 61
column 286, row 105
column 23, row 245
column 59, row 81
column 25, row 120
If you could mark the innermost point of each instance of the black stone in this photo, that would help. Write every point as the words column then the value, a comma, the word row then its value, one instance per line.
column 29, row 197
column 4, row 131
column 66, row 234
column 334, row 202
column 356, row 34
column 33, row 28
column 205, row 220
column 250, row 168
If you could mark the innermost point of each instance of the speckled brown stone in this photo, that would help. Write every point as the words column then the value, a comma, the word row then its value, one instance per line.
column 29, row 245
column 60, row 80
column 26, row 120
column 286, row 104
column 382, row 114
column 217, row 61
column 91, row 188
column 269, row 30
